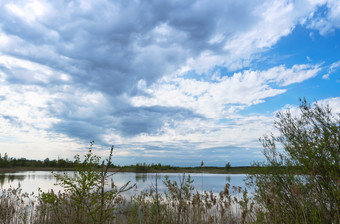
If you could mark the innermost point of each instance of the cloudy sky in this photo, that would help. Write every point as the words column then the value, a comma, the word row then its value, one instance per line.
column 171, row 81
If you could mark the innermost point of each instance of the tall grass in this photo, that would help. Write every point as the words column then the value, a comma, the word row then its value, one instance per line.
column 180, row 203
column 183, row 204
column 16, row 206
column 89, row 197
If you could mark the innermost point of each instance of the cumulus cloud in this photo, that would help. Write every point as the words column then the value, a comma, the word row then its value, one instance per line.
column 334, row 104
column 16, row 70
column 226, row 94
column 332, row 68
column 326, row 18
column 121, row 71
column 111, row 45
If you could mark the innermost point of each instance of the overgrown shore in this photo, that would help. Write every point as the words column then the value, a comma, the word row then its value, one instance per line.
column 212, row 170
column 10, row 164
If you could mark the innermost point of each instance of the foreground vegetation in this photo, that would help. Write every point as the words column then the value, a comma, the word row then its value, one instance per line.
column 180, row 205
column 90, row 196
column 309, row 142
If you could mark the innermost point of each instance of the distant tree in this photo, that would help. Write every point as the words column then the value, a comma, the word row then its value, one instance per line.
column 308, row 145
column 46, row 162
column 22, row 162
column 31, row 163
column 14, row 162
column 1, row 161
column 5, row 161
column 141, row 167
column 39, row 163
column 53, row 163
column 227, row 166
column 61, row 163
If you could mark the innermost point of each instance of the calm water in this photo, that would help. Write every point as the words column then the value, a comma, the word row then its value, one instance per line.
column 30, row 181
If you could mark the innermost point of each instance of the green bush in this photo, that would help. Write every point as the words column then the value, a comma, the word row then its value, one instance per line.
column 227, row 166
column 300, row 182
column 86, row 198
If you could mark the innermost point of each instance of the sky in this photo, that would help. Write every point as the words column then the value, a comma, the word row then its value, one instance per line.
column 174, row 81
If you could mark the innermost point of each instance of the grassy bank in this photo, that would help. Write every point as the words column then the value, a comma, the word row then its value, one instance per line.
column 213, row 170
column 10, row 164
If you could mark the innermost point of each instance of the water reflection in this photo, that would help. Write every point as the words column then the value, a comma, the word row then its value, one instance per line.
column 141, row 177
column 30, row 181
column 9, row 178
column 147, row 176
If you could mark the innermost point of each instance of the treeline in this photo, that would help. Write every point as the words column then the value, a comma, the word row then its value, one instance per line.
column 143, row 167
column 10, row 162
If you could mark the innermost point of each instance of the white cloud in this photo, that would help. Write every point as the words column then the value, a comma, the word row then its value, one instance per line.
column 36, row 144
column 29, row 11
column 271, row 21
column 277, row 19
column 29, row 113
column 25, row 120
column 298, row 73
column 30, row 72
column 217, row 99
column 334, row 104
column 196, row 135
column 326, row 23
column 26, row 106
column 332, row 68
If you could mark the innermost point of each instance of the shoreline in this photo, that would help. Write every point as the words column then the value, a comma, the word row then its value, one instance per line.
column 235, row 170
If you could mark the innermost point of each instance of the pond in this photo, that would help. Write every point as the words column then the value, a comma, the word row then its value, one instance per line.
column 30, row 181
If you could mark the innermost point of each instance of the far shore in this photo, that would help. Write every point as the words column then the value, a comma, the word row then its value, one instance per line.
column 210, row 170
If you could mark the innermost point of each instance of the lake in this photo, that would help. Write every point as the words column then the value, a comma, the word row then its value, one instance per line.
column 30, row 181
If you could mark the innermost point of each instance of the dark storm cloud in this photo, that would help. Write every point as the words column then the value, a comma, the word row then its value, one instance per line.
column 138, row 120
column 109, row 47
column 127, row 121
column 80, row 129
